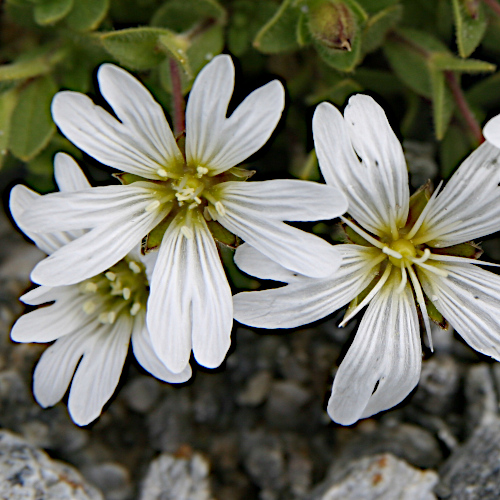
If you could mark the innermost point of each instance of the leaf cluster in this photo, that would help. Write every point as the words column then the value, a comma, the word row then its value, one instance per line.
column 432, row 63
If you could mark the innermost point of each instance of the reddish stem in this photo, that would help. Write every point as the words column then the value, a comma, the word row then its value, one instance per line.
column 463, row 107
column 493, row 5
column 177, row 98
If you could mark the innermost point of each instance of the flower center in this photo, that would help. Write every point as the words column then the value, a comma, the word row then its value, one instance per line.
column 404, row 248
column 123, row 289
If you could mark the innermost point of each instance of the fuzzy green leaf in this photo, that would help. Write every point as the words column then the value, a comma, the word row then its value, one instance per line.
column 31, row 125
column 485, row 92
column 8, row 101
column 181, row 15
column 51, row 11
column 279, row 34
column 175, row 47
column 87, row 15
column 470, row 27
column 448, row 62
column 378, row 25
column 135, row 48
column 442, row 103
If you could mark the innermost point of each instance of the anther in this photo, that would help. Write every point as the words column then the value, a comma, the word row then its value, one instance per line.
column 126, row 293
column 220, row 208
column 110, row 275
column 392, row 253
column 162, row 172
column 89, row 287
column 134, row 267
column 201, row 171
column 89, row 306
column 136, row 307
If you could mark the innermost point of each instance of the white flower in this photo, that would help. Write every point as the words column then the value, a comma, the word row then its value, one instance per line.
column 183, row 196
column 92, row 321
column 405, row 262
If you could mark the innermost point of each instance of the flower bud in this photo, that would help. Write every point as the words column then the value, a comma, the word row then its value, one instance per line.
column 332, row 23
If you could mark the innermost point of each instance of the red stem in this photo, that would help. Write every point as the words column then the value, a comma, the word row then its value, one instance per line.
column 463, row 107
column 493, row 5
column 177, row 98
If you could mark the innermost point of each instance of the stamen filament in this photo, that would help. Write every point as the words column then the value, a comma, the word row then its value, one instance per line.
column 423, row 258
column 364, row 234
column 404, row 280
column 421, row 302
column 392, row 253
column 424, row 213
column 460, row 260
column 370, row 296
column 434, row 269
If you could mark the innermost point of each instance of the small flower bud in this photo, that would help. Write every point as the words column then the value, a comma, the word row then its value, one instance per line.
column 332, row 23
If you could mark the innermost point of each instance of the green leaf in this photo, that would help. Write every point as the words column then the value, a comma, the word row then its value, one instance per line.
column 377, row 27
column 485, row 92
column 453, row 149
column 247, row 17
column 470, row 27
column 31, row 125
column 8, row 101
column 87, row 15
column 181, row 15
column 34, row 64
column 279, row 34
column 135, row 48
column 442, row 103
column 51, row 11
column 448, row 62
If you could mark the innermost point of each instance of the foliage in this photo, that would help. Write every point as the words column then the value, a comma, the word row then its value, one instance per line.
column 419, row 58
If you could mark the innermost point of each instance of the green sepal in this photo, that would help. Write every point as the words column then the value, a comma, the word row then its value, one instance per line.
column 354, row 237
column 445, row 61
column 221, row 234
column 126, row 179
column 8, row 101
column 434, row 314
column 468, row 250
column 361, row 296
column 470, row 25
column 418, row 201
column 135, row 48
column 239, row 173
column 378, row 26
column 32, row 125
column 238, row 279
column 279, row 34
column 51, row 11
column 154, row 238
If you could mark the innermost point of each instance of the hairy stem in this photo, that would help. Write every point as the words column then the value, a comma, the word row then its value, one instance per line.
column 177, row 98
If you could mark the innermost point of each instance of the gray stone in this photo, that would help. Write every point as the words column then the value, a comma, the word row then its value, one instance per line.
column 472, row 471
column 380, row 477
column 480, row 395
column 177, row 478
column 112, row 478
column 141, row 393
column 256, row 390
column 284, row 406
column 27, row 473
column 438, row 385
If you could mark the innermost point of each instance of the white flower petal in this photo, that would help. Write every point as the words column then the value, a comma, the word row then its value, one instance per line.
column 386, row 350
column 87, row 208
column 97, row 250
column 285, row 199
column 103, row 137
column 290, row 247
column 56, row 367
column 21, row 199
column 219, row 143
column 469, row 205
column 491, row 131
column 212, row 306
column 139, row 112
column 469, row 298
column 68, row 174
column 254, row 263
column 146, row 356
column 377, row 186
column 42, row 295
column 190, row 299
column 99, row 371
column 306, row 300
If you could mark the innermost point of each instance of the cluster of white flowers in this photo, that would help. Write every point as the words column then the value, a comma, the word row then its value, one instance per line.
column 407, row 256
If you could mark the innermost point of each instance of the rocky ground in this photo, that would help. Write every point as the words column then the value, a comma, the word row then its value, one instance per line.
column 254, row 429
